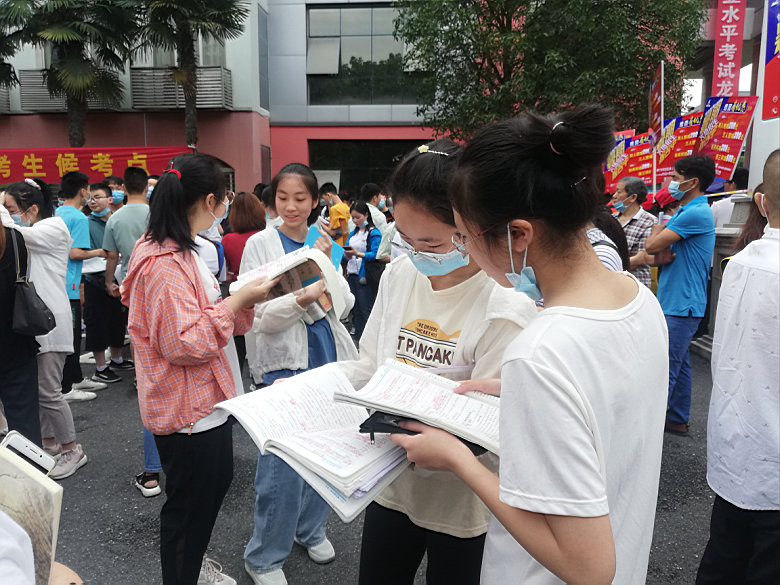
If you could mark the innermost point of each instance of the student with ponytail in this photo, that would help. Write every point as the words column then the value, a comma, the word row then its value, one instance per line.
column 580, row 443
column 186, row 362
column 435, row 309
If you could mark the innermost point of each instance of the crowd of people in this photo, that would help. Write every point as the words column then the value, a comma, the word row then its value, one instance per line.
column 501, row 256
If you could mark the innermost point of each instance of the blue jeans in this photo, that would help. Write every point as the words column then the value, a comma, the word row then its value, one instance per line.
column 151, row 457
column 364, row 302
column 681, row 331
column 286, row 508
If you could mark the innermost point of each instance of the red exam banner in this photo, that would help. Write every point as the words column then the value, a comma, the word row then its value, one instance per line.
column 630, row 158
column 49, row 164
column 724, row 128
column 771, row 98
column 678, row 140
column 729, row 31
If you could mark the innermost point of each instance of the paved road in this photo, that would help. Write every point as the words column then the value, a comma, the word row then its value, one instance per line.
column 109, row 532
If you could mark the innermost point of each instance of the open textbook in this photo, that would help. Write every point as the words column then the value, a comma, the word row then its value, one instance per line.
column 311, row 421
column 299, row 421
column 299, row 269
column 404, row 390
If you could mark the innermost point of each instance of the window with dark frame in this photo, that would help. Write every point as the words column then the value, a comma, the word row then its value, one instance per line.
column 360, row 161
column 353, row 58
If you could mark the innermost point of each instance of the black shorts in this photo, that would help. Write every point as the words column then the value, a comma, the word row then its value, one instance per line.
column 105, row 318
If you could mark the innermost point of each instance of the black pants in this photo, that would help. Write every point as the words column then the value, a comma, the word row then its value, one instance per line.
column 393, row 548
column 240, row 351
column 744, row 546
column 71, row 373
column 19, row 394
column 105, row 318
column 198, row 472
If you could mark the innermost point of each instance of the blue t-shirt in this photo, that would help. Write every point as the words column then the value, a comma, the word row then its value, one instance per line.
column 322, row 346
column 78, row 226
column 682, row 285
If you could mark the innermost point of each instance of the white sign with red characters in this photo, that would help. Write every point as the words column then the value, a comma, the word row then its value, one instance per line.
column 729, row 30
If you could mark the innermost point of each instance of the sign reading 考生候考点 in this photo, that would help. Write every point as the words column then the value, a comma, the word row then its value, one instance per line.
column 50, row 164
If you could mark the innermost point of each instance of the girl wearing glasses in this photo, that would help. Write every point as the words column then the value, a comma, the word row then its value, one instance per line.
column 580, row 443
column 435, row 308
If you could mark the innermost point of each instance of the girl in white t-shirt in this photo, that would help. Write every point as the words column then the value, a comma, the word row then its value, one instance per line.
column 434, row 309
column 580, row 442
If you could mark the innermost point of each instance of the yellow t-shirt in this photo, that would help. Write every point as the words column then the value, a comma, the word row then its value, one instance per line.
column 339, row 219
column 433, row 322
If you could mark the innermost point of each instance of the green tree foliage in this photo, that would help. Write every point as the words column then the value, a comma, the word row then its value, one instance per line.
column 90, row 42
column 176, row 25
column 490, row 59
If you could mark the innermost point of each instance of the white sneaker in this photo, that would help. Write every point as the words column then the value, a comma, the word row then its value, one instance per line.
column 273, row 578
column 211, row 572
column 322, row 554
column 68, row 463
column 87, row 384
column 79, row 395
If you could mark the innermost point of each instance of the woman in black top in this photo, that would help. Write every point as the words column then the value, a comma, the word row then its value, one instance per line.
column 18, row 364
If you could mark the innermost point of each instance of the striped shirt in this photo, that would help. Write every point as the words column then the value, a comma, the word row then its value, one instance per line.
column 605, row 249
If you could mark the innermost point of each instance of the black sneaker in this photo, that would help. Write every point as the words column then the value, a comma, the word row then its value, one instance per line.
column 125, row 366
column 105, row 376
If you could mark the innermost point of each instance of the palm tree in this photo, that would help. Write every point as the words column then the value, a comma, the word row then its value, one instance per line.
column 7, row 50
column 90, row 42
column 176, row 25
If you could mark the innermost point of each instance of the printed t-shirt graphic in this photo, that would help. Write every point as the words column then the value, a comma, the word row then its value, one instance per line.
column 433, row 321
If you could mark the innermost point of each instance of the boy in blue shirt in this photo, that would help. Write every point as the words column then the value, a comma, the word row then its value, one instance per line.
column 682, row 285
column 74, row 193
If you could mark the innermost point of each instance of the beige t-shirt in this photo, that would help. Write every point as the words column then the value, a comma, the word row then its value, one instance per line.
column 433, row 322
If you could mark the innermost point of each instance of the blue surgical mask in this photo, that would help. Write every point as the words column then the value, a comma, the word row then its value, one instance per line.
column 525, row 282
column 330, row 202
column 364, row 224
column 620, row 206
column 101, row 213
column 18, row 220
column 218, row 220
column 118, row 196
column 60, row 202
column 430, row 264
column 674, row 190
column 381, row 205
column 149, row 193
column 268, row 217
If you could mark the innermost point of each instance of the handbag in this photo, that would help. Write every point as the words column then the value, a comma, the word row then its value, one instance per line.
column 31, row 315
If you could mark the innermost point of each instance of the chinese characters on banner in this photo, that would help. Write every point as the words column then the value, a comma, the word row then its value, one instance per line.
column 623, row 134
column 656, row 101
column 771, row 101
column 729, row 31
column 630, row 158
column 49, row 164
column 677, row 141
column 724, row 128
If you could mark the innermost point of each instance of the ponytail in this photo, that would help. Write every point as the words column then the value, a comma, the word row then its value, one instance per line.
column 32, row 192
column 189, row 179
column 535, row 167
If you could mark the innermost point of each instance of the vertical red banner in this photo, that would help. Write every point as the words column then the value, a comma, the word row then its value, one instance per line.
column 729, row 32
column 656, row 103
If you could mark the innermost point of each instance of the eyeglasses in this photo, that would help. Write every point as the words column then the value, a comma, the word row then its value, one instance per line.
column 96, row 198
column 408, row 249
column 460, row 241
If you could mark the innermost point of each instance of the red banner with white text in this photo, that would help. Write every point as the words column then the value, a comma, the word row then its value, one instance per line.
column 678, row 140
column 656, row 105
column 729, row 31
column 724, row 128
column 50, row 164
